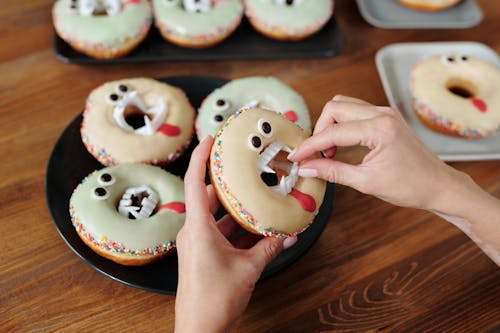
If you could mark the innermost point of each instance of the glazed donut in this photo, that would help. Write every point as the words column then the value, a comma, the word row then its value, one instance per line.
column 288, row 19
column 129, row 213
column 457, row 95
column 264, row 92
column 102, row 28
column 197, row 24
column 137, row 120
column 253, row 179
column 429, row 5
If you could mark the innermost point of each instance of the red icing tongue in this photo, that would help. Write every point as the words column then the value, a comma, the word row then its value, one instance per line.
column 131, row 2
column 291, row 115
column 176, row 207
column 479, row 104
column 305, row 200
column 169, row 130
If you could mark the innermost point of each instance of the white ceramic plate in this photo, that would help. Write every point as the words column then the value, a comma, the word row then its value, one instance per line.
column 389, row 14
column 394, row 63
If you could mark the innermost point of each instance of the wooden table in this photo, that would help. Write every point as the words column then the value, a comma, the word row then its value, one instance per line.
column 375, row 267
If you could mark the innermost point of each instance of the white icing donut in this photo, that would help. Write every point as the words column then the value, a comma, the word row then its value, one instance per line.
column 137, row 120
column 249, row 148
column 257, row 91
column 129, row 213
column 102, row 28
column 457, row 95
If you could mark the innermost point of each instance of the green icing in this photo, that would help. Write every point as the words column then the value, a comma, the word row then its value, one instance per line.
column 177, row 20
column 291, row 18
column 101, row 218
column 270, row 92
column 106, row 30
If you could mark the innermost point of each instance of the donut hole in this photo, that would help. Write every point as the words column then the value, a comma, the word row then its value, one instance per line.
column 271, row 179
column 138, row 203
column 281, row 166
column 135, row 116
column 462, row 88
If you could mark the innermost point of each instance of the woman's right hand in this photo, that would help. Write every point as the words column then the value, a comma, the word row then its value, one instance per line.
column 399, row 168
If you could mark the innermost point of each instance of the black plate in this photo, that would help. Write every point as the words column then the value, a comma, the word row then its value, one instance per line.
column 245, row 43
column 70, row 162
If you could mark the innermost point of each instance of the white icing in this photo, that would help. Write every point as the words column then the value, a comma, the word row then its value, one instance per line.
column 88, row 7
column 147, row 205
column 158, row 112
column 197, row 6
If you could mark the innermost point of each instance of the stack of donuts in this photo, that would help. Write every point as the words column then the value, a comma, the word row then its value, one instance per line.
column 113, row 28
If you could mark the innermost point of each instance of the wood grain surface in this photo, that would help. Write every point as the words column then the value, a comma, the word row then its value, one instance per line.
column 376, row 267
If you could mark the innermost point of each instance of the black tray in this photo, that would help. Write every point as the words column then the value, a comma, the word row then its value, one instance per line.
column 70, row 162
column 244, row 44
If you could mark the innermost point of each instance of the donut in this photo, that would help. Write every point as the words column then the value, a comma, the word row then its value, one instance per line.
column 457, row 95
column 137, row 120
column 429, row 5
column 253, row 179
column 102, row 28
column 264, row 92
column 197, row 23
column 288, row 19
column 130, row 213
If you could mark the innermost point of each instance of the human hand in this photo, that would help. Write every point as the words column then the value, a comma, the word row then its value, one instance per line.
column 216, row 276
column 398, row 169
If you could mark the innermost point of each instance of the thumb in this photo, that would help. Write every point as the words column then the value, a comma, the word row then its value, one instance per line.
column 332, row 171
column 268, row 248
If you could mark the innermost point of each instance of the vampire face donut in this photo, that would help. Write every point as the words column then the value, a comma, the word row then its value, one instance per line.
column 254, row 180
column 288, row 19
column 263, row 92
column 457, row 94
column 137, row 120
column 102, row 28
column 197, row 23
column 130, row 213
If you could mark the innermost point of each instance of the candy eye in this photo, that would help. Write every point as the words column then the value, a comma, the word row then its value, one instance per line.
column 122, row 88
column 113, row 98
column 265, row 128
column 106, row 179
column 221, row 104
column 100, row 193
column 255, row 142
column 464, row 58
column 218, row 118
column 449, row 59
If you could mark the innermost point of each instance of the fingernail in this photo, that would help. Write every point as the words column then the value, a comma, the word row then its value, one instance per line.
column 289, row 242
column 308, row 173
column 292, row 154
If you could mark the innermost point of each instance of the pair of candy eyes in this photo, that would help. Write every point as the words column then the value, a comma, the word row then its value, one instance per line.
column 100, row 193
column 115, row 97
column 452, row 59
column 254, row 140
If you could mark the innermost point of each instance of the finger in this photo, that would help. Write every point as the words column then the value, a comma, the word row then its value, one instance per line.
column 349, row 99
column 246, row 241
column 268, row 248
column 227, row 226
column 213, row 203
column 341, row 111
column 194, row 180
column 346, row 134
column 333, row 171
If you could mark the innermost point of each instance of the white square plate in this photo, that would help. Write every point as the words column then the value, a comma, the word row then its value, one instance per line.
column 389, row 14
column 394, row 63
